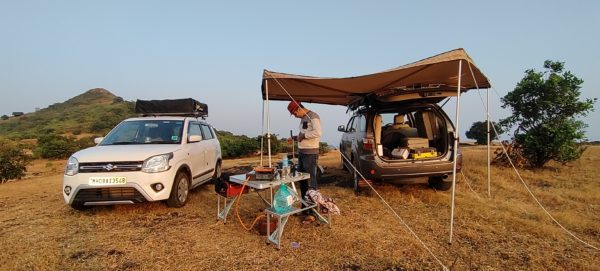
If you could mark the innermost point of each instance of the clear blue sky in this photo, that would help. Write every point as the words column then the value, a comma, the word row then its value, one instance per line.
column 215, row 51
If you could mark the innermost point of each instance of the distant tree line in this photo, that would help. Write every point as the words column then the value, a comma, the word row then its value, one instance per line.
column 50, row 145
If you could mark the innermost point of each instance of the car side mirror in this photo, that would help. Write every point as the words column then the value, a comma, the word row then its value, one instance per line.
column 194, row 138
column 97, row 140
column 341, row 128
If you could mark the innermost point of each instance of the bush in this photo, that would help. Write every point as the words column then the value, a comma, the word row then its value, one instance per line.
column 13, row 161
column 56, row 147
column 233, row 146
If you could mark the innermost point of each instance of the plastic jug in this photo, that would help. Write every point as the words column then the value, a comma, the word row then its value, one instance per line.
column 283, row 200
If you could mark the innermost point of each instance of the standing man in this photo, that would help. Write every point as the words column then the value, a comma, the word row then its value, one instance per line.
column 308, row 138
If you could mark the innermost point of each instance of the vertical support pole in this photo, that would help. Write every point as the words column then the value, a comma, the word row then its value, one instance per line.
column 489, row 171
column 262, row 135
column 455, row 150
column 268, row 122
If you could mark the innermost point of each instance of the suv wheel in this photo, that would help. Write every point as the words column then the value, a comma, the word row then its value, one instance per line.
column 79, row 206
column 439, row 183
column 218, row 172
column 179, row 191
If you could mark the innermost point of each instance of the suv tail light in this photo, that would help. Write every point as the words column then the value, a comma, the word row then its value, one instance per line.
column 368, row 144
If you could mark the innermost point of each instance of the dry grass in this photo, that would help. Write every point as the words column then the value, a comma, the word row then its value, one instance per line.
column 505, row 232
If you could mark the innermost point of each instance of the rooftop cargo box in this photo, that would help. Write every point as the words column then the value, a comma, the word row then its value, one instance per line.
column 186, row 107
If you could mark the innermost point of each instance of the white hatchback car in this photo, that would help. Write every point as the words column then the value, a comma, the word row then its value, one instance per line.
column 149, row 158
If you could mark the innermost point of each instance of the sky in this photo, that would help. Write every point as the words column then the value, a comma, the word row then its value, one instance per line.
column 216, row 51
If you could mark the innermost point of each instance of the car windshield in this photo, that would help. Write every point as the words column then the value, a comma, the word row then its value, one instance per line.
column 145, row 132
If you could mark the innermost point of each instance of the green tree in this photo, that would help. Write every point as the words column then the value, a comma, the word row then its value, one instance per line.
column 478, row 132
column 545, row 106
column 13, row 161
column 4, row 117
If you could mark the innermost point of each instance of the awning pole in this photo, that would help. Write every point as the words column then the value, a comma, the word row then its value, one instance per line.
column 455, row 150
column 262, row 134
column 268, row 122
column 489, row 171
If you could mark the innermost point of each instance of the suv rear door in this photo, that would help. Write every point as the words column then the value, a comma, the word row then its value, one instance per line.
column 196, row 150
column 209, row 145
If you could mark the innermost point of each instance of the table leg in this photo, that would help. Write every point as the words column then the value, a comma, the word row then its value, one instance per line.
column 222, row 215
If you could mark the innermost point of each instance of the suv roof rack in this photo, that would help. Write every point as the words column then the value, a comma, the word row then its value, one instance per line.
column 177, row 107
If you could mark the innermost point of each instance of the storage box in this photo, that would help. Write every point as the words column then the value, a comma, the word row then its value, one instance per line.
column 228, row 189
column 400, row 153
column 420, row 153
column 414, row 142
column 187, row 106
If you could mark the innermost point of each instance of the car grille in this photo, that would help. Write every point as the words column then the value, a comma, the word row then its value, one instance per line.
column 110, row 166
column 109, row 194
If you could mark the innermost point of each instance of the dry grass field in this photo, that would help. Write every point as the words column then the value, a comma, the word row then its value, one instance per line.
column 506, row 231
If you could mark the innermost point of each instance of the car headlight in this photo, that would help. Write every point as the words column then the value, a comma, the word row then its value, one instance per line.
column 158, row 163
column 72, row 167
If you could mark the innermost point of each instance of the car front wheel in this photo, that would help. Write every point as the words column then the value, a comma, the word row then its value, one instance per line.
column 179, row 191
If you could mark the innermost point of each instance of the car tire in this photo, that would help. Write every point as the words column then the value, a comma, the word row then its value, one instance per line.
column 439, row 183
column 217, row 173
column 79, row 206
column 180, row 191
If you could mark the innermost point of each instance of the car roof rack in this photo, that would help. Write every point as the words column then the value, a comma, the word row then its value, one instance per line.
column 177, row 107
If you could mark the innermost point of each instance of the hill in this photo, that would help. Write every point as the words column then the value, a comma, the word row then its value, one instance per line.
column 95, row 111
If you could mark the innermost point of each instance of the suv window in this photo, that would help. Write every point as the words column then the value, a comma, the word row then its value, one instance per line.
column 194, row 129
column 206, row 132
column 360, row 124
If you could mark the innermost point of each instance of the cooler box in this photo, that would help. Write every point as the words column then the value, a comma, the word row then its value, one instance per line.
column 414, row 142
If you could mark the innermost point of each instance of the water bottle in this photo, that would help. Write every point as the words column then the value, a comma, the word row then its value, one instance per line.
column 283, row 200
column 285, row 162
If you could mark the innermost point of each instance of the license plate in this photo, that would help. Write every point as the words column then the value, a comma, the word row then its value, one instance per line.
column 107, row 180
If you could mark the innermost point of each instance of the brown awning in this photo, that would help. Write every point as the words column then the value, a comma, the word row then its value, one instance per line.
column 433, row 77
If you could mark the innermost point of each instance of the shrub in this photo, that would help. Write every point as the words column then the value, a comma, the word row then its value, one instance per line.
column 235, row 146
column 55, row 147
column 13, row 161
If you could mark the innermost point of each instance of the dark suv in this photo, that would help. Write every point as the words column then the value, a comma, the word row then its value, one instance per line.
column 402, row 142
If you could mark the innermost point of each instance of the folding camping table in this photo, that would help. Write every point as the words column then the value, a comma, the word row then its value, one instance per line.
column 275, row 236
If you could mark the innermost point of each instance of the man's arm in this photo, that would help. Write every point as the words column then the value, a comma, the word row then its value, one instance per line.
column 316, row 131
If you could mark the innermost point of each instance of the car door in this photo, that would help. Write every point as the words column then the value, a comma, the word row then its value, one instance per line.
column 210, row 153
column 346, row 142
column 196, row 151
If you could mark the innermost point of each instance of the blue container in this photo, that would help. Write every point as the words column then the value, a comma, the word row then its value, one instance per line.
column 283, row 200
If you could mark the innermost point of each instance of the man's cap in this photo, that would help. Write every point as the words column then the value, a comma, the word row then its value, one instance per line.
column 293, row 106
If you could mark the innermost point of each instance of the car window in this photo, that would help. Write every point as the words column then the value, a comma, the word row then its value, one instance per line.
column 145, row 132
column 194, row 129
column 360, row 124
column 206, row 132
